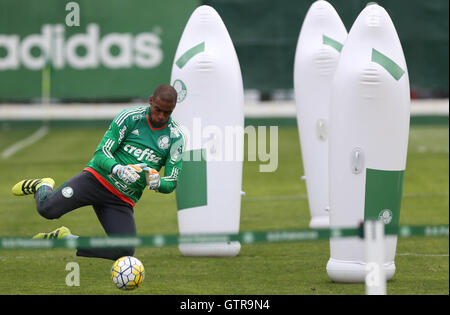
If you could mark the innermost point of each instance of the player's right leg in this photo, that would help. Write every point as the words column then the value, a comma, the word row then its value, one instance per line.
column 60, row 233
column 117, row 219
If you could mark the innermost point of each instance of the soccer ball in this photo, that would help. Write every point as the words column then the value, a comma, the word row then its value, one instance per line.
column 127, row 273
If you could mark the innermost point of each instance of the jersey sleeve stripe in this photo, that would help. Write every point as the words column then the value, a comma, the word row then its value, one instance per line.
column 173, row 176
column 126, row 111
column 128, row 114
column 107, row 148
column 121, row 114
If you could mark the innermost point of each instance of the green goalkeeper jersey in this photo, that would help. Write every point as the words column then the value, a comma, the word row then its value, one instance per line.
column 131, row 139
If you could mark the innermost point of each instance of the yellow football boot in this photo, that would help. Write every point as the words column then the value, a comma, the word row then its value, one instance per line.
column 59, row 233
column 30, row 186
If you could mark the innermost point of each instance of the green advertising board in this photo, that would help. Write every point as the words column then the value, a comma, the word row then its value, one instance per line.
column 96, row 49
column 123, row 48
column 265, row 35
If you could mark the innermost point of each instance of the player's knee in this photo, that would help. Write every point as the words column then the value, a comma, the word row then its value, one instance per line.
column 47, row 211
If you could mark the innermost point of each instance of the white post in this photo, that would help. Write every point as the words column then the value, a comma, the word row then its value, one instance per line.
column 374, row 244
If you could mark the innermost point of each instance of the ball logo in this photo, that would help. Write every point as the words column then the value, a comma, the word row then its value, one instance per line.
column 67, row 192
column 164, row 142
column 385, row 216
column 180, row 87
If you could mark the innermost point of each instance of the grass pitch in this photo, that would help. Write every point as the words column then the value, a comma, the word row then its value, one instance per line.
column 272, row 201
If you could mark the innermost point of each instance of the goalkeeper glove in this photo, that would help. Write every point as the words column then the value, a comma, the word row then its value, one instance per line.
column 127, row 173
column 153, row 178
column 151, row 175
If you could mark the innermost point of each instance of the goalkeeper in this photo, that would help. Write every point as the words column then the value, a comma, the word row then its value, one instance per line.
column 138, row 143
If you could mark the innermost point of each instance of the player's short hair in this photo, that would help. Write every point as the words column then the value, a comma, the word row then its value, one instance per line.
column 166, row 93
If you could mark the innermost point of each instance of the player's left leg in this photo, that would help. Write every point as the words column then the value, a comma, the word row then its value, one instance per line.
column 117, row 219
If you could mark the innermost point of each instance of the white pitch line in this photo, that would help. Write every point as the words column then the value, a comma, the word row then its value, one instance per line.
column 35, row 137
column 300, row 197
column 281, row 197
column 425, row 149
column 423, row 255
column 419, row 195
column 55, row 256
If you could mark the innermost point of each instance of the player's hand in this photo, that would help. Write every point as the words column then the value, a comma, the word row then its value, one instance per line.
column 139, row 167
column 153, row 178
column 127, row 173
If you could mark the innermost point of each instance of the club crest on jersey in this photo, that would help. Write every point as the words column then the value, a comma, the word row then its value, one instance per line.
column 164, row 142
